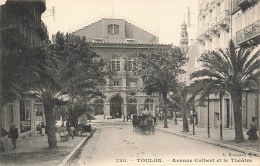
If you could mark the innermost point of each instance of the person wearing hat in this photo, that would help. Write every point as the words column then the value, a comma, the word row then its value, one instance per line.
column 13, row 134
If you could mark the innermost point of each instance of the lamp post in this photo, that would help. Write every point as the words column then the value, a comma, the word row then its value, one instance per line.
column 220, row 114
column 208, row 117
column 193, row 115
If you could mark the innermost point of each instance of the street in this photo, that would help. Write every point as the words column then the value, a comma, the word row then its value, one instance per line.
column 115, row 143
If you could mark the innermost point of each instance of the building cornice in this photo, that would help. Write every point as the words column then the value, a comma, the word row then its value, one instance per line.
column 128, row 45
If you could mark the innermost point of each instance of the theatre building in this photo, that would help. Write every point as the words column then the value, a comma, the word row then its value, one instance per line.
column 118, row 40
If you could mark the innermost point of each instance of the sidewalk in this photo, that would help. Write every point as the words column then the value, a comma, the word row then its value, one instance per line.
column 201, row 134
column 34, row 151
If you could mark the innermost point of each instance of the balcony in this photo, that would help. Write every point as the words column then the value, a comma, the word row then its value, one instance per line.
column 245, row 4
column 213, row 23
column 114, row 88
column 213, row 27
column 223, row 19
column 250, row 32
column 235, row 6
column 199, row 36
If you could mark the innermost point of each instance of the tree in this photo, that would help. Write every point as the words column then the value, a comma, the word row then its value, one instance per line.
column 15, row 59
column 232, row 70
column 180, row 101
column 201, row 89
column 68, row 70
column 159, row 69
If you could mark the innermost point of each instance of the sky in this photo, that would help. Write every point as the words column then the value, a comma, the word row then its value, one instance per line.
column 163, row 17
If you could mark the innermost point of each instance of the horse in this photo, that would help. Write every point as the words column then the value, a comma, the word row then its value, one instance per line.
column 135, row 122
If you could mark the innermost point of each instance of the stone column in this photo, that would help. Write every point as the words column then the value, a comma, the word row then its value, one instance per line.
column 107, row 109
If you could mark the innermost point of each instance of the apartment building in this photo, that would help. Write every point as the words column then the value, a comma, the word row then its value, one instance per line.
column 218, row 22
column 22, row 21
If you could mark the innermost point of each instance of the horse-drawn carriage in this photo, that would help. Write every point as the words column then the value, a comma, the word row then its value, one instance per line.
column 143, row 123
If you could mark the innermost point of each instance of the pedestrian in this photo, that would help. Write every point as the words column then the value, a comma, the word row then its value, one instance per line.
column 160, row 116
column 72, row 131
column 43, row 129
column 252, row 131
column 154, row 119
column 13, row 134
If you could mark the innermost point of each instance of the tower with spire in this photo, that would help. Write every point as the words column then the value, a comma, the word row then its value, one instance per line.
column 184, row 38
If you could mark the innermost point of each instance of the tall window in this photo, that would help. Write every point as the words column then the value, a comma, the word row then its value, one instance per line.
column 116, row 29
column 25, row 115
column 113, row 65
column 117, row 65
column 110, row 29
column 148, row 104
column 130, row 65
column 116, row 83
column 113, row 29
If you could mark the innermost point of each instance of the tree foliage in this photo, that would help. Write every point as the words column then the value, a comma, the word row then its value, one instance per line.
column 159, row 69
column 64, row 69
column 231, row 70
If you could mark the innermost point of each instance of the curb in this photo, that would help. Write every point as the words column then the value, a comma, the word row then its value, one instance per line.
column 249, row 152
column 73, row 152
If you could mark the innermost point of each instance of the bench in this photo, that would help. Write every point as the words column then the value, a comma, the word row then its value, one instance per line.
column 64, row 135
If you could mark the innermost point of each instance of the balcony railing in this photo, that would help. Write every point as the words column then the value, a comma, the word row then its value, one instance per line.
column 248, row 32
column 242, row 4
column 235, row 5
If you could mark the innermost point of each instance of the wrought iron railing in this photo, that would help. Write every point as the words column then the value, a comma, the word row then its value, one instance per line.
column 248, row 32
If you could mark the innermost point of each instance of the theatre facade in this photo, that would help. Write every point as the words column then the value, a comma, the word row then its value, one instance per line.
column 119, row 41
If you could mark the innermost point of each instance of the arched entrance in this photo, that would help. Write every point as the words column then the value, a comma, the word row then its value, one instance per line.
column 116, row 107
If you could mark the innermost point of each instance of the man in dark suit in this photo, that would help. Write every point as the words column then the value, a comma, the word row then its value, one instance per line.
column 13, row 134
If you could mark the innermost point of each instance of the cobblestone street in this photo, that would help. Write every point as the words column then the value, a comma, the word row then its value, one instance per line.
column 117, row 144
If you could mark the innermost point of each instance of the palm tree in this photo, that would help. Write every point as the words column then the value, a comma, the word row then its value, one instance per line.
column 201, row 89
column 181, row 101
column 159, row 68
column 230, row 70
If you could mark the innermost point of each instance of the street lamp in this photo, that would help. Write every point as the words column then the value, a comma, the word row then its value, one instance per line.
column 193, row 115
column 220, row 114
column 208, row 117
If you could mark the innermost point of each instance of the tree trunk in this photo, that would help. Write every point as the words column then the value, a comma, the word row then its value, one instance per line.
column 165, row 109
column 236, row 99
column 50, row 125
column 185, row 123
